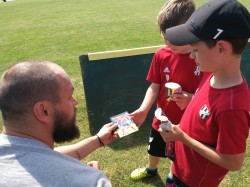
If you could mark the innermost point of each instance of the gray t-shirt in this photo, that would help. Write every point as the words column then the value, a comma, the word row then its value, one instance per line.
column 26, row 162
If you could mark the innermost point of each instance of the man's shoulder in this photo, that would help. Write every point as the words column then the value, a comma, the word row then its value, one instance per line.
column 35, row 159
column 51, row 168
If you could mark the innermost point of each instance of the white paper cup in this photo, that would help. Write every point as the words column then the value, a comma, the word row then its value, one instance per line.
column 172, row 88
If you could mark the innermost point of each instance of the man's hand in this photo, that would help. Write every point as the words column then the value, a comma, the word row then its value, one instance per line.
column 94, row 164
column 107, row 133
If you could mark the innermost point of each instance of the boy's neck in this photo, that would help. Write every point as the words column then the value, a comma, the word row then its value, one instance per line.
column 182, row 52
column 228, row 73
column 222, row 80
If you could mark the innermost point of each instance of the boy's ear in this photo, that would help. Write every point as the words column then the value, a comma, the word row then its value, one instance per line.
column 221, row 50
column 224, row 46
column 43, row 112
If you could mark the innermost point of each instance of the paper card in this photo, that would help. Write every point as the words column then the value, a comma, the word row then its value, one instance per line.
column 126, row 125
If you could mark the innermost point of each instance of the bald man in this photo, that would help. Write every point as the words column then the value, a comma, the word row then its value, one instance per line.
column 38, row 109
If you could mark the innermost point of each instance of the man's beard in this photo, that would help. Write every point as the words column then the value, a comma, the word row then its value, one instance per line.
column 65, row 129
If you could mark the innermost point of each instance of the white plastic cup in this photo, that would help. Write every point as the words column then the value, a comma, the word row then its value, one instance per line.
column 172, row 88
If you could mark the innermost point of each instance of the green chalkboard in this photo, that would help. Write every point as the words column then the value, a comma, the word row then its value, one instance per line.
column 114, row 83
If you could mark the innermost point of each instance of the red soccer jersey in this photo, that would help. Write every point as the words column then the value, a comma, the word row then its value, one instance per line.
column 220, row 119
column 168, row 66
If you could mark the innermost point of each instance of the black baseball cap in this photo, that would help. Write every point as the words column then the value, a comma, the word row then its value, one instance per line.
column 215, row 20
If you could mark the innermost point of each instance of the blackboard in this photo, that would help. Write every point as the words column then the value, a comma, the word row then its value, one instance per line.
column 114, row 82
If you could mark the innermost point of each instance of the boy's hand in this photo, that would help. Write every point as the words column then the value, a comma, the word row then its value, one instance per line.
column 176, row 134
column 138, row 117
column 182, row 100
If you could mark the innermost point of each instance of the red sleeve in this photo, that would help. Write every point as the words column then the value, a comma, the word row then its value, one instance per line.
column 233, row 132
column 153, row 73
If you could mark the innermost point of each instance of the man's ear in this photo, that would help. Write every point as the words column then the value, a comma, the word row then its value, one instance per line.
column 43, row 111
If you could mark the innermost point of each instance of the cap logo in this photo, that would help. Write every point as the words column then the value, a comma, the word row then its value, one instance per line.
column 218, row 34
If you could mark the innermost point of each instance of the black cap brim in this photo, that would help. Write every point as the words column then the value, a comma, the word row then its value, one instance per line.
column 180, row 35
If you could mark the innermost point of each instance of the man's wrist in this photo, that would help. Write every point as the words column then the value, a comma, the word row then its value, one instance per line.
column 100, row 141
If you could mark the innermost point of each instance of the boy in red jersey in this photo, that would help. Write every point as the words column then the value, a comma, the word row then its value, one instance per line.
column 211, row 137
column 169, row 64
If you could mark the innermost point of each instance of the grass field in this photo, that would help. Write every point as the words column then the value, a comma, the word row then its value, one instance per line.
column 60, row 31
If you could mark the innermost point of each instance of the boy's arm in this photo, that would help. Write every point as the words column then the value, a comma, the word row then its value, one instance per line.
column 231, row 162
column 151, row 95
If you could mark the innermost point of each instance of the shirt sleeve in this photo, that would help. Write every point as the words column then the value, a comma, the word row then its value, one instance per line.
column 233, row 132
column 153, row 73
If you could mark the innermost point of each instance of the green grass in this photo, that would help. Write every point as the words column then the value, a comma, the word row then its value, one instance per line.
column 60, row 31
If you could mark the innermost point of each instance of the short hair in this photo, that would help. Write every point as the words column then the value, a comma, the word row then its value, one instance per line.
column 174, row 12
column 238, row 45
column 24, row 84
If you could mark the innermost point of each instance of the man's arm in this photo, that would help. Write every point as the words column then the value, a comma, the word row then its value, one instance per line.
column 85, row 147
